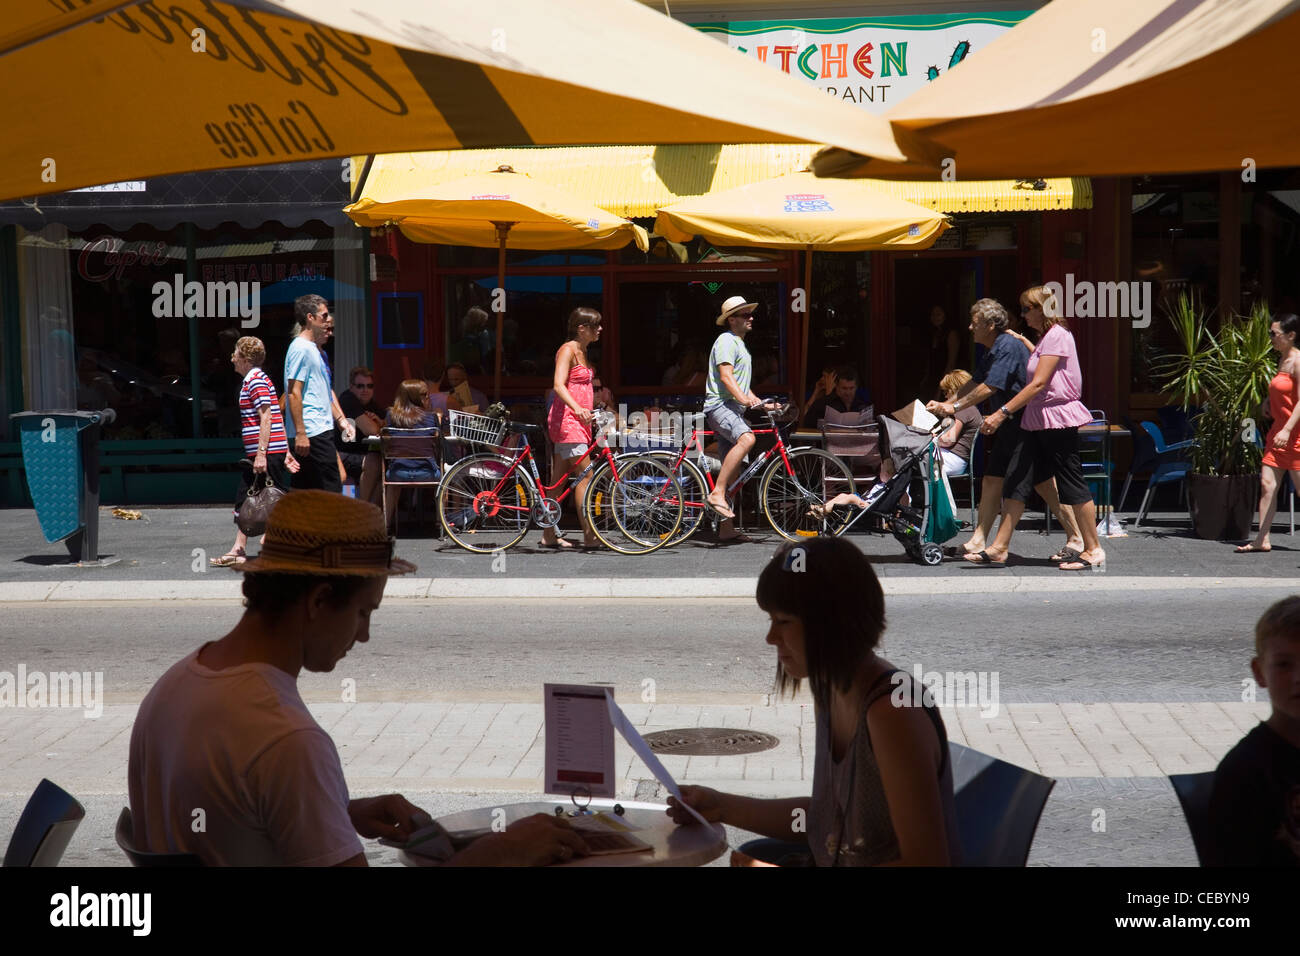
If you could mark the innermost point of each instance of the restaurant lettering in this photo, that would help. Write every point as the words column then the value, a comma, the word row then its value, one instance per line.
column 305, row 54
column 875, row 63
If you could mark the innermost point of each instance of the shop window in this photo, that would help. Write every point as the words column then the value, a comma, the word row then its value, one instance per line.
column 1176, row 249
column 533, row 327
column 666, row 330
column 470, row 257
column 401, row 320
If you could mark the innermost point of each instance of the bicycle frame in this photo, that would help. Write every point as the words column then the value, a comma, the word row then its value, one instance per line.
column 543, row 490
column 696, row 441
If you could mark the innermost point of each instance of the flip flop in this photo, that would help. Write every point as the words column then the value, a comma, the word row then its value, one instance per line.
column 982, row 559
column 1251, row 549
column 1065, row 554
column 722, row 511
column 1082, row 565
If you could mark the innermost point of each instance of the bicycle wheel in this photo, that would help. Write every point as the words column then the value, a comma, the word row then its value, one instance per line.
column 694, row 490
column 787, row 498
column 637, row 513
column 480, row 512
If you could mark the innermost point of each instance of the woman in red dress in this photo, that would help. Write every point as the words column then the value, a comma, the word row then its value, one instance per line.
column 1282, row 446
column 570, row 416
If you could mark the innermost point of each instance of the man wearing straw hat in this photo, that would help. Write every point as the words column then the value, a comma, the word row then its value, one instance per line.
column 226, row 761
column 726, row 398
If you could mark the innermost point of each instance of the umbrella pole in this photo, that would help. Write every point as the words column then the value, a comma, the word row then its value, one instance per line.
column 801, row 377
column 503, row 229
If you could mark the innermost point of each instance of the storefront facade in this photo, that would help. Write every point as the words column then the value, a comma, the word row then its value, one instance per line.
column 86, row 325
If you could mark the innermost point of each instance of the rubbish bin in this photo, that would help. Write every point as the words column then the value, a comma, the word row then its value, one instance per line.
column 61, row 459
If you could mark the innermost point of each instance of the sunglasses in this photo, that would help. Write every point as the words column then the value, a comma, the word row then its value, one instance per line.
column 363, row 384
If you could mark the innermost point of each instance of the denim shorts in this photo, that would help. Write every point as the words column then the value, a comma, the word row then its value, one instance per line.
column 727, row 421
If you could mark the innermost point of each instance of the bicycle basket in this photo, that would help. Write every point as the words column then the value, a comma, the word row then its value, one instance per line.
column 478, row 429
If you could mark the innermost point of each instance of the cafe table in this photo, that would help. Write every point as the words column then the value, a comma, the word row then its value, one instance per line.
column 690, row 844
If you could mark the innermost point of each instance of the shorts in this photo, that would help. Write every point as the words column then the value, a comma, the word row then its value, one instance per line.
column 953, row 464
column 1007, row 445
column 320, row 467
column 1049, row 453
column 569, row 450
column 727, row 422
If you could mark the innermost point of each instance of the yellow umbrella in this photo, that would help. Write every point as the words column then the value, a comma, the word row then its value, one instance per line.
column 800, row 211
column 99, row 91
column 1111, row 88
column 502, row 209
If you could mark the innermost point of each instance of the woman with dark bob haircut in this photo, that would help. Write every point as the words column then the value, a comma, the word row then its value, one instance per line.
column 882, row 779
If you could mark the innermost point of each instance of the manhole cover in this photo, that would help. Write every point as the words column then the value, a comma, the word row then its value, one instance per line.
column 710, row 741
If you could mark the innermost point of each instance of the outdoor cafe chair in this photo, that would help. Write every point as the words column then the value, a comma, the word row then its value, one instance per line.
column 998, row 807
column 1095, row 457
column 125, row 834
column 44, row 830
column 970, row 477
column 1169, row 463
column 1193, row 790
column 407, row 443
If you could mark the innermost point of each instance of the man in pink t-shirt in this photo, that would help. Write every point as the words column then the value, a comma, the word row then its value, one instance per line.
column 227, row 762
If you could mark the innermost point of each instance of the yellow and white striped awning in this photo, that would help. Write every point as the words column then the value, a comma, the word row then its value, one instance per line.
column 635, row 181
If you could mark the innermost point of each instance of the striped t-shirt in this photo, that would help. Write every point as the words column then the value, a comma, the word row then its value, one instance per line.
column 256, row 393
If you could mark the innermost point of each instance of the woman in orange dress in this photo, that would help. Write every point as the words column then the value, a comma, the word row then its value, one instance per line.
column 1282, row 446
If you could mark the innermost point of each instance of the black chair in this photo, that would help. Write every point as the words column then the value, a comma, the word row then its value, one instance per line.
column 50, row 818
column 998, row 807
column 126, row 841
column 1194, row 791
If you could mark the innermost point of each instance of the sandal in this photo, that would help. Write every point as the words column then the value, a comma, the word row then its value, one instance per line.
column 722, row 511
column 229, row 559
column 1066, row 554
column 983, row 560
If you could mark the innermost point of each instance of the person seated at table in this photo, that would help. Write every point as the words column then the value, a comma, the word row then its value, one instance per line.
column 410, row 410
column 955, row 443
column 358, row 403
column 225, row 730
column 837, row 389
column 1254, row 814
column 455, row 384
column 882, row 790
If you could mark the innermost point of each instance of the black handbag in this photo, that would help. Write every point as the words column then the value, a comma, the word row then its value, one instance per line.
column 256, row 508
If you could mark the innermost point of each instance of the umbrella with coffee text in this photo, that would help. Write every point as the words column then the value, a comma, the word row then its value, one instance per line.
column 1111, row 88
column 501, row 209
column 800, row 211
column 100, row 91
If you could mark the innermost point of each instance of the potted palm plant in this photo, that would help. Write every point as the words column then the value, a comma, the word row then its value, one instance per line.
column 1222, row 379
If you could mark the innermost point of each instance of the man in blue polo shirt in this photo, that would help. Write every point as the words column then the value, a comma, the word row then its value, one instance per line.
column 312, row 407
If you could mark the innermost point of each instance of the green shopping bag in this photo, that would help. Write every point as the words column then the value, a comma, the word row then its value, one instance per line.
column 943, row 524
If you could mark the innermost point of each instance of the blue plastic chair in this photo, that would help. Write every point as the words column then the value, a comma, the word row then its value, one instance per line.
column 998, row 807
column 1094, row 455
column 1193, row 790
column 1170, row 464
column 50, row 818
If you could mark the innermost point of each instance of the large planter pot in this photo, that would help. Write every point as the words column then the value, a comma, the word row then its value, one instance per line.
column 1222, row 508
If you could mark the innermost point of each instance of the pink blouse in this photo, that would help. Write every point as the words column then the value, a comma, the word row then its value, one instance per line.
column 1058, row 405
column 561, row 423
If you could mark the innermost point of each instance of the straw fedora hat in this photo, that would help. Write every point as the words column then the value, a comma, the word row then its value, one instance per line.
column 736, row 305
column 326, row 534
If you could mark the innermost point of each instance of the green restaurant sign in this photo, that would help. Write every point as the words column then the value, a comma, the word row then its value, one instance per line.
column 876, row 62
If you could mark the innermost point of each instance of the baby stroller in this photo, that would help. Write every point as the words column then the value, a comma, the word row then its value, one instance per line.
column 923, row 525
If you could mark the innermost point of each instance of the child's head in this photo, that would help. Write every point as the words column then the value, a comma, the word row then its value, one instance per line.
column 1277, row 655
column 828, row 613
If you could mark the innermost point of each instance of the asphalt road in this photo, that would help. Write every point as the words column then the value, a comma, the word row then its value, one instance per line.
column 1177, row 645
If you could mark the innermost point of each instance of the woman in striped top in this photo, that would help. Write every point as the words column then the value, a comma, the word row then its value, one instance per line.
column 262, row 426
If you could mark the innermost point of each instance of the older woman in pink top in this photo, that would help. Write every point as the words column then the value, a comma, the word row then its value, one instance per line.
column 1053, row 415
column 569, row 420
